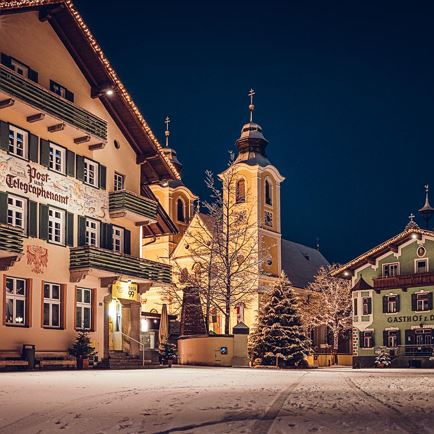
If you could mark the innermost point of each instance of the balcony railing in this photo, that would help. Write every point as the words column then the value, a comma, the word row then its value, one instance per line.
column 124, row 203
column 11, row 240
column 87, row 257
column 404, row 281
column 424, row 350
column 40, row 98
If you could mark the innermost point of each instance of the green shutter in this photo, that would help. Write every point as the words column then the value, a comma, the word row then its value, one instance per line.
column 69, row 95
column 102, row 177
column 385, row 336
column 413, row 302
column 109, row 237
column 398, row 337
column 45, row 153
column 43, row 222
column 398, row 303
column 33, row 148
column 6, row 60
column 81, row 230
column 429, row 300
column 70, row 163
column 33, row 75
column 127, row 242
column 385, row 301
column 4, row 136
column 80, row 168
column 69, row 235
column 361, row 340
column 3, row 207
column 32, row 219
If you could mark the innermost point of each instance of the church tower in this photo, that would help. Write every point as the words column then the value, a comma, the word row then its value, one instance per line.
column 179, row 203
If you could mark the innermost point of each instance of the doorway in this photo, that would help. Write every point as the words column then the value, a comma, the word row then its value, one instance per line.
column 116, row 324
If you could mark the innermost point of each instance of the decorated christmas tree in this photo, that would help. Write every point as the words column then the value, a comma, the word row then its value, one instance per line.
column 279, row 338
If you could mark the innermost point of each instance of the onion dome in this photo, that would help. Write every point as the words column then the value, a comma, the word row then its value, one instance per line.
column 170, row 153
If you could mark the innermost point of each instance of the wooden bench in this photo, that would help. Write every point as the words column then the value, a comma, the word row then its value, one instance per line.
column 60, row 362
column 12, row 363
column 55, row 359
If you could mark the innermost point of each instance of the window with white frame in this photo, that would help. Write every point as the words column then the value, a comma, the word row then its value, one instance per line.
column 367, row 305
column 392, row 338
column 57, row 158
column 421, row 265
column 91, row 172
column 83, row 309
column 392, row 303
column 119, row 182
column 17, row 211
column 368, row 339
column 391, row 270
column 52, row 301
column 422, row 301
column 56, row 226
column 18, row 142
column 92, row 233
column 15, row 308
column 19, row 68
column 118, row 239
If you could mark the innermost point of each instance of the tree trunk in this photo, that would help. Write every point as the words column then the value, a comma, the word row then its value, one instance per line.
column 227, row 315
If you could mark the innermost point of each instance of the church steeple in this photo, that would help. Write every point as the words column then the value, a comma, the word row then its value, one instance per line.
column 252, row 143
column 170, row 152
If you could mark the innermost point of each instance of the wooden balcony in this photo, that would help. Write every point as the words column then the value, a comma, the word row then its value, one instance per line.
column 41, row 105
column 137, row 208
column 404, row 281
column 103, row 263
column 11, row 245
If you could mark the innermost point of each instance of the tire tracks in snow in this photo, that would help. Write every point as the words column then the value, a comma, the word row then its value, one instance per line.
column 402, row 421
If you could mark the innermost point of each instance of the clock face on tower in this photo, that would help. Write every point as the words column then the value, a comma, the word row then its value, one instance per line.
column 268, row 219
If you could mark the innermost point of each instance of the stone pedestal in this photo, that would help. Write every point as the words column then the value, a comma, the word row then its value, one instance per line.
column 240, row 358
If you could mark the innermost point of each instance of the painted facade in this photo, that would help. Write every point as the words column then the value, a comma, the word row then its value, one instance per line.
column 72, row 208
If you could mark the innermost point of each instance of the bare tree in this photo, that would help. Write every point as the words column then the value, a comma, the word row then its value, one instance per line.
column 329, row 304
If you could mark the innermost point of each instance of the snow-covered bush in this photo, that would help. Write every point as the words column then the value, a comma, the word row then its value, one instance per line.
column 383, row 358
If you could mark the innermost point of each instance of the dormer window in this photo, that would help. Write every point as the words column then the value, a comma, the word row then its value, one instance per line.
column 421, row 265
column 268, row 193
column 19, row 67
column 240, row 191
column 61, row 91
column 180, row 211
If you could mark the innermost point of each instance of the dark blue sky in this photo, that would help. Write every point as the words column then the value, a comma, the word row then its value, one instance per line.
column 345, row 96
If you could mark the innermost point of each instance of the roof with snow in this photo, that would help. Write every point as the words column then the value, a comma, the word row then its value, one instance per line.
column 301, row 263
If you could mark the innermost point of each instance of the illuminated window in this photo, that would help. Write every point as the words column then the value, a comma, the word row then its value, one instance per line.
column 15, row 308
column 52, row 294
column 17, row 211
column 56, row 226
column 367, row 305
column 92, row 233
column 119, row 182
column 118, row 239
column 83, row 309
column 91, row 172
column 18, row 142
column 57, row 158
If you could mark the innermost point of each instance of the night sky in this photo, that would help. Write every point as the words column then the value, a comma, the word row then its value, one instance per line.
column 345, row 96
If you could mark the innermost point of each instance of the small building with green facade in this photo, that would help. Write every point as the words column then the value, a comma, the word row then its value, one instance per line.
column 392, row 296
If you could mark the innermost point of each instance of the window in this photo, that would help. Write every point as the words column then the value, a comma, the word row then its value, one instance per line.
column 17, row 211
column 367, row 305
column 423, row 301
column 18, row 142
column 119, row 182
column 52, row 296
column 92, row 233
column 83, row 309
column 392, row 338
column 391, row 303
column 16, row 292
column 268, row 219
column 118, row 240
column 61, row 91
column 20, row 68
column 180, row 210
column 56, row 226
column 90, row 172
column 240, row 192
column 57, row 158
column 355, row 306
column 367, row 339
column 421, row 266
column 268, row 193
column 391, row 270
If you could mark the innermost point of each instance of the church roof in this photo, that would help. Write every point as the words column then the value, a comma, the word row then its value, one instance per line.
column 301, row 263
column 86, row 52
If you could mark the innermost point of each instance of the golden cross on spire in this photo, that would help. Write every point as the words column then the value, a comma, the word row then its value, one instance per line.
column 167, row 133
column 251, row 106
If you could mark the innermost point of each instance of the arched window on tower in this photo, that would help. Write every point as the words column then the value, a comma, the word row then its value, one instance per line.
column 268, row 192
column 240, row 191
column 180, row 210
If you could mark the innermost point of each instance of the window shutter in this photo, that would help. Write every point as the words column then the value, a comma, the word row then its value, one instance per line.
column 6, row 60
column 385, row 300
column 3, row 207
column 79, row 168
column 361, row 340
column 70, row 163
column 33, row 148
column 127, row 242
column 385, row 335
column 369, row 305
column 413, row 302
column 4, row 136
column 81, row 230
column 102, row 177
column 69, row 95
column 398, row 303
column 109, row 236
column 409, row 337
column 69, row 235
column 33, row 75
column 373, row 339
column 398, row 337
column 429, row 300
column 43, row 222
column 44, row 152
column 32, row 219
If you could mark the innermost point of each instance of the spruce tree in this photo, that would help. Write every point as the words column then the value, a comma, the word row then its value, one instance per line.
column 279, row 338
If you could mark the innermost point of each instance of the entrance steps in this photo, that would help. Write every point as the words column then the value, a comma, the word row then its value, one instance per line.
column 122, row 360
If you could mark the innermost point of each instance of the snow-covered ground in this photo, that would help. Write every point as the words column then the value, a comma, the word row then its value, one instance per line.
column 218, row 400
